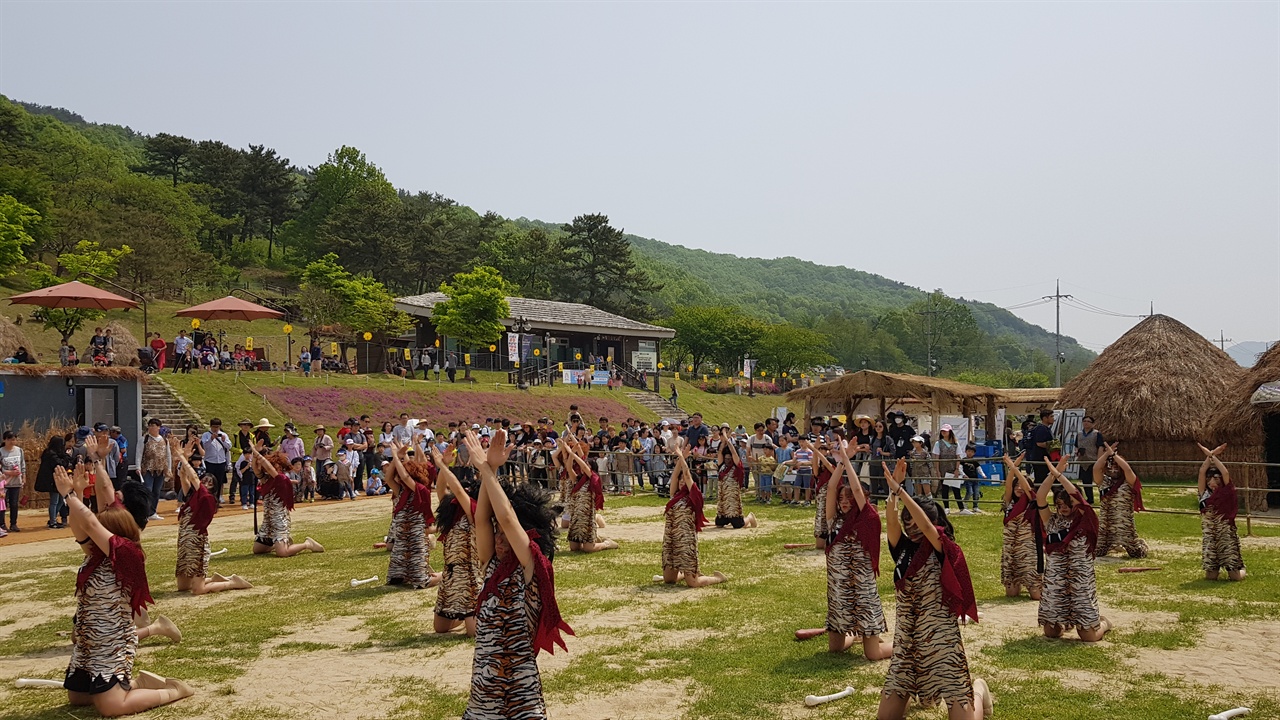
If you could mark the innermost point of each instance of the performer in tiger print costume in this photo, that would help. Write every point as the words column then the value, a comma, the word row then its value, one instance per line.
column 517, row 615
column 1070, row 595
column 411, row 519
column 1121, row 498
column 683, row 520
column 854, row 612
column 822, row 470
column 933, row 591
column 586, row 496
column 729, row 486
column 274, row 487
column 455, row 518
column 197, row 511
column 1022, row 552
column 1220, row 544
column 111, row 588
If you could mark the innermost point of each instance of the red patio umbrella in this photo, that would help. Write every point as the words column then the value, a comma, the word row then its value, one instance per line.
column 74, row 294
column 229, row 308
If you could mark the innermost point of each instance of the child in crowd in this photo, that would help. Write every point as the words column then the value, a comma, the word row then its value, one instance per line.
column 307, row 479
column 342, row 473
column 374, row 485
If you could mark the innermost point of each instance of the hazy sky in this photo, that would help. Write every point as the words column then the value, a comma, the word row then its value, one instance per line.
column 1131, row 149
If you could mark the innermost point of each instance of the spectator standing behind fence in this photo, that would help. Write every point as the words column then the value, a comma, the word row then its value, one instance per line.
column 1038, row 445
column 1088, row 442
column 156, row 463
column 216, row 447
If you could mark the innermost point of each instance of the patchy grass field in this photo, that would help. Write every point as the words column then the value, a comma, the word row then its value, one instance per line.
column 304, row 643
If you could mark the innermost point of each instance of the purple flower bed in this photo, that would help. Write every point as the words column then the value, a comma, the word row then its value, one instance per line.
column 331, row 405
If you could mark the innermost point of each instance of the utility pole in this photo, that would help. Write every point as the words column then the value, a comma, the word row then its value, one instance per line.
column 930, row 368
column 1057, row 297
column 1223, row 340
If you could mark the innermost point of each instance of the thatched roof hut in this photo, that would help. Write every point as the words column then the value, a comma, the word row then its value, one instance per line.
column 938, row 395
column 1251, row 428
column 1154, row 390
column 11, row 337
column 124, row 343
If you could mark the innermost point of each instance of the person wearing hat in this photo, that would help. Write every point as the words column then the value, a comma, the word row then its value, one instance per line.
column 262, row 434
column 901, row 432
column 322, row 446
column 291, row 445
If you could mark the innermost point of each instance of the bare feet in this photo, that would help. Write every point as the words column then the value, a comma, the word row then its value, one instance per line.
column 983, row 697
column 751, row 521
column 313, row 546
column 810, row 633
column 149, row 681
column 434, row 580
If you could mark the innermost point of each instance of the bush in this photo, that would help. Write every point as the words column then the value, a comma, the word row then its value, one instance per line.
column 726, row 386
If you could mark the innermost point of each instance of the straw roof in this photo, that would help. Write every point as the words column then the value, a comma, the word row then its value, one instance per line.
column 1030, row 396
column 1238, row 421
column 11, row 337
column 936, row 392
column 117, row 372
column 1159, row 381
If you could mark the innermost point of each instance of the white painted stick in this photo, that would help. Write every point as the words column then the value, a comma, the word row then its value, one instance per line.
column 819, row 699
column 1228, row 714
column 658, row 578
column 37, row 683
column 216, row 554
column 366, row 581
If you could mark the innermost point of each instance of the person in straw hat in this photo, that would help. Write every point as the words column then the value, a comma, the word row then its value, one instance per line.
column 262, row 435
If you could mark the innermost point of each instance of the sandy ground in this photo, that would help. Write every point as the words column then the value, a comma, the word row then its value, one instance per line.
column 1242, row 656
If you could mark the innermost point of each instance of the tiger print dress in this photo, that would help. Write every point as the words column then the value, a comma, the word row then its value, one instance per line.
column 410, row 549
column 460, row 584
column 853, row 603
column 820, row 529
column 1070, row 595
column 1219, row 541
column 929, row 661
column 1116, row 529
column 104, row 641
column 680, row 539
column 1019, row 559
column 193, row 540
column 505, row 683
column 275, row 527
column 729, row 493
column 582, row 513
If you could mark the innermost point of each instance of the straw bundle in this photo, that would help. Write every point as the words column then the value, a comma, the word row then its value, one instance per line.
column 1154, row 390
column 11, row 336
column 125, row 344
column 33, row 440
column 1239, row 423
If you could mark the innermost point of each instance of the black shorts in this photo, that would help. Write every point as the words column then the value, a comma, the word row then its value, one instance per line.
column 79, row 681
column 736, row 522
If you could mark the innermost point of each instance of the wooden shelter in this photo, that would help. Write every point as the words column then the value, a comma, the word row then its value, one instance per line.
column 939, row 395
column 1251, row 428
column 1153, row 390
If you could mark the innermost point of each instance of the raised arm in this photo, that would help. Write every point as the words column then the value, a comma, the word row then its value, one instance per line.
column 1056, row 472
column 894, row 477
column 186, row 477
column 446, row 479
column 1211, row 459
column 1130, row 476
column 918, row 515
column 84, row 524
column 833, row 494
column 103, row 485
column 494, row 503
column 855, row 484
column 680, row 474
column 1013, row 475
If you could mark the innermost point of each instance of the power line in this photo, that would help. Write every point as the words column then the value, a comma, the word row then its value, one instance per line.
column 1057, row 298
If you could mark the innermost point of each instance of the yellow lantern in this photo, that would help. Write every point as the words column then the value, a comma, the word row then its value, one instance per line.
column 466, row 359
column 677, row 375
column 333, row 348
column 803, row 376
column 761, row 373
column 492, row 347
column 408, row 354
column 517, row 363
column 367, row 336
column 560, row 367
column 577, row 356
column 717, row 371
column 437, row 342
column 537, row 352
column 660, row 366
column 248, row 344
column 195, row 323
column 704, row 377
column 689, row 368
column 288, row 329
column 784, row 374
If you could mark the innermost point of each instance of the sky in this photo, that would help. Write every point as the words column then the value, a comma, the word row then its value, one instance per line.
column 1131, row 150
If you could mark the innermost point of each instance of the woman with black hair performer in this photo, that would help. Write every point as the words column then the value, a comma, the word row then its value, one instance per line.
column 854, row 612
column 455, row 520
column 1070, row 595
column 1121, row 498
column 933, row 591
column 586, row 496
column 516, row 613
column 194, row 516
column 411, row 518
column 111, row 588
column 728, row 485
column 1022, row 551
column 276, row 492
column 1220, row 545
column 683, row 520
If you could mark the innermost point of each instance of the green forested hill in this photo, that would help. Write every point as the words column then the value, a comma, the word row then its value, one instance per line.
column 182, row 218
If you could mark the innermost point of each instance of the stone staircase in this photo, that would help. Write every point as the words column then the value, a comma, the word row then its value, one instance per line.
column 159, row 400
column 658, row 405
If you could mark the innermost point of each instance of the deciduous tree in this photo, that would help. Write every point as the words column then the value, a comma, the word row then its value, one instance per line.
column 474, row 311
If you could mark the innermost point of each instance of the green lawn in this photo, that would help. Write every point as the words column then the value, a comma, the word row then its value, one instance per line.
column 727, row 651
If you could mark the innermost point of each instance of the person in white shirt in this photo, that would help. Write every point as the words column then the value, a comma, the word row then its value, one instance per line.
column 403, row 433
column 215, row 445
